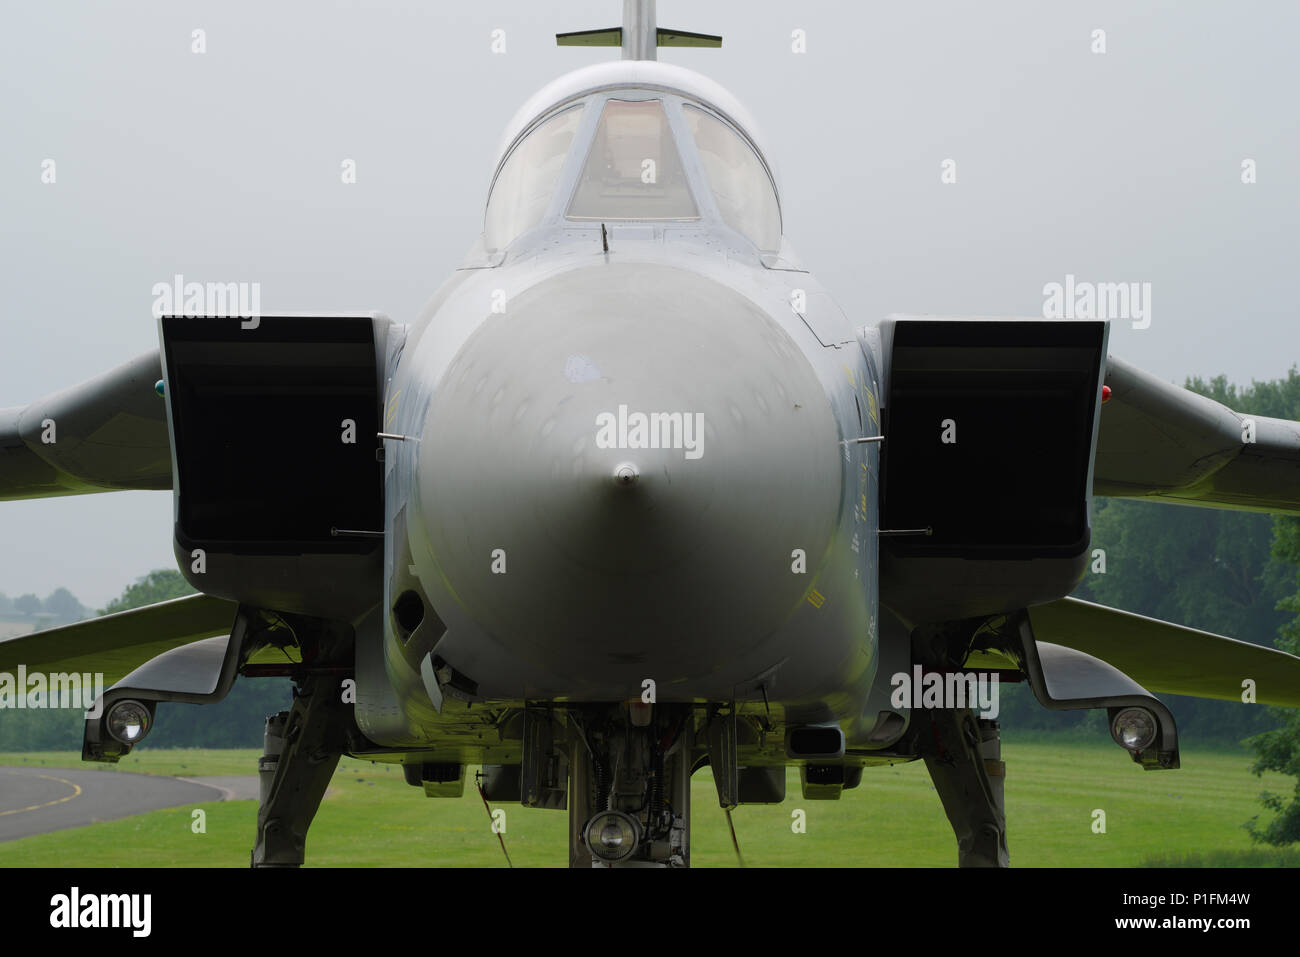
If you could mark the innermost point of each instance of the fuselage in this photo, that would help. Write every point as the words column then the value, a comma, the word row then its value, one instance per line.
column 630, row 455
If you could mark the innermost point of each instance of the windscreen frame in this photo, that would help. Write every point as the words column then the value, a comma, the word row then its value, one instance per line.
column 672, row 100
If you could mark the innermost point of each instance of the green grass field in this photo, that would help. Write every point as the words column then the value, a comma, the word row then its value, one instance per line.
column 371, row 817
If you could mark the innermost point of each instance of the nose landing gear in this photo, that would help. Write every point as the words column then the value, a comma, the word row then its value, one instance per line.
column 630, row 788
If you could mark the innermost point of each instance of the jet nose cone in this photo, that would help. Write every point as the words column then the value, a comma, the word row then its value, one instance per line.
column 620, row 469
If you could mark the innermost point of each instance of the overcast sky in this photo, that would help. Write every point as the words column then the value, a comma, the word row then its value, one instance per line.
column 225, row 166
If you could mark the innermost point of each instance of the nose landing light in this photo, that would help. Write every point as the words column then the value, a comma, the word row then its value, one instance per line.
column 611, row 836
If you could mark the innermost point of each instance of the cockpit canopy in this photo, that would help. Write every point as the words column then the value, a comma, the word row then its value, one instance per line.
column 633, row 155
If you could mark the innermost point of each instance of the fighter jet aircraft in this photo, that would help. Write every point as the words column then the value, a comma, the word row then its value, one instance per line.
column 633, row 496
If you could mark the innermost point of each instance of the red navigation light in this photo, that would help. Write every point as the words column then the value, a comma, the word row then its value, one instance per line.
column 1105, row 393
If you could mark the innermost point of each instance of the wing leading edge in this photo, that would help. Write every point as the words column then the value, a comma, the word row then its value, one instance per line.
column 1168, row 658
column 115, row 645
column 107, row 434
column 1159, row 441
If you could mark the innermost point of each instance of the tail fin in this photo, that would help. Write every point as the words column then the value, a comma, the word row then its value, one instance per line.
column 639, row 36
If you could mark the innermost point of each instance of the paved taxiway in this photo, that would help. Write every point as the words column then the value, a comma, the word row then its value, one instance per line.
column 34, row 800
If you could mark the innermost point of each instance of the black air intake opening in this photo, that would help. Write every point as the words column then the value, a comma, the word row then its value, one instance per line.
column 1019, row 398
column 261, row 417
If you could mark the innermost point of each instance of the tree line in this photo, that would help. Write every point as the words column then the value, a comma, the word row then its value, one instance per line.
column 60, row 607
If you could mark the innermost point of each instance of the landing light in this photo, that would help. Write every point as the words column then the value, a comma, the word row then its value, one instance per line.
column 1134, row 729
column 129, row 721
column 611, row 836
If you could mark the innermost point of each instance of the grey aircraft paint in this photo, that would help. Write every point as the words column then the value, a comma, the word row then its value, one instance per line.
column 688, row 575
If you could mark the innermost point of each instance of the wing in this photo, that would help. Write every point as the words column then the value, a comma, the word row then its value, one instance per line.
column 108, row 433
column 1169, row 658
column 1159, row 441
column 116, row 645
